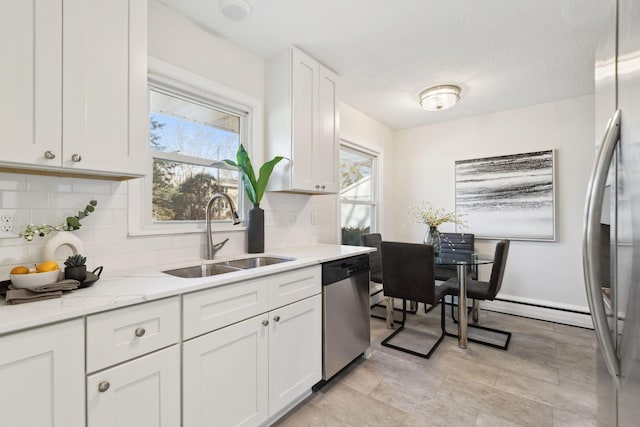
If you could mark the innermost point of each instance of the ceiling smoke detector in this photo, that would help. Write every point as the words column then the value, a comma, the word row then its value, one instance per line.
column 236, row 10
column 439, row 98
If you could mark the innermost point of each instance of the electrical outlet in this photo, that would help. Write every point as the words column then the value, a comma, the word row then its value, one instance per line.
column 8, row 226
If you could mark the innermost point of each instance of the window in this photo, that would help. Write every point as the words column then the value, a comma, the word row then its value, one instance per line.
column 358, row 200
column 194, row 123
column 188, row 138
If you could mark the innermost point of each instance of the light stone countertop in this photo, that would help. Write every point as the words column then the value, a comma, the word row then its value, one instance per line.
column 125, row 289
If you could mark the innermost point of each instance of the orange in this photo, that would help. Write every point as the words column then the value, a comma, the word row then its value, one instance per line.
column 47, row 266
column 21, row 269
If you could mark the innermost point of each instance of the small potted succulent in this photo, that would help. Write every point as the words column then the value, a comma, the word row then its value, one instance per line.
column 76, row 268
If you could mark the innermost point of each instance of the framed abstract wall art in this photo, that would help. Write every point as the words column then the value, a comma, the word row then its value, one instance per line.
column 509, row 196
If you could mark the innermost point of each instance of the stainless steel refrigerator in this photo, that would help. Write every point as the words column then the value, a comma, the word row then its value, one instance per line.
column 611, row 246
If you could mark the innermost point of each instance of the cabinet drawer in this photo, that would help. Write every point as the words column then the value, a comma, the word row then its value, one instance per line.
column 217, row 307
column 293, row 286
column 122, row 334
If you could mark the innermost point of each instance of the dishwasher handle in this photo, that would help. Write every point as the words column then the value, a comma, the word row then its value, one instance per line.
column 343, row 269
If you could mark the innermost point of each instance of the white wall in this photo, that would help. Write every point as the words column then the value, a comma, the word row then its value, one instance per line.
column 360, row 129
column 549, row 273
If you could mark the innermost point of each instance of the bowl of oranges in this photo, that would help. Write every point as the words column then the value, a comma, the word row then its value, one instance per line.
column 43, row 274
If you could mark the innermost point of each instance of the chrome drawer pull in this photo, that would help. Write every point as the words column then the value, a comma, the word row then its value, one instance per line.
column 140, row 331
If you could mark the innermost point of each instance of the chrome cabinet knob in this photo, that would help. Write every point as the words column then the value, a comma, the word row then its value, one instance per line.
column 276, row 318
column 317, row 187
column 49, row 155
column 265, row 323
column 103, row 386
column 76, row 157
column 140, row 331
column 322, row 186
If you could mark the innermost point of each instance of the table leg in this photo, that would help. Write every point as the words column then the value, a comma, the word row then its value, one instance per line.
column 462, row 305
column 389, row 313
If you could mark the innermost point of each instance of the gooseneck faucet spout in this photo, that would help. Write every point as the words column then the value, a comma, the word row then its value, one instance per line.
column 211, row 248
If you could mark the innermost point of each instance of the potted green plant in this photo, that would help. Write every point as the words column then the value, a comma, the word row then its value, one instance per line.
column 76, row 268
column 255, row 189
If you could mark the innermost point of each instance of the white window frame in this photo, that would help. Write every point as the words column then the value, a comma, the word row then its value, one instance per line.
column 177, row 80
column 375, row 180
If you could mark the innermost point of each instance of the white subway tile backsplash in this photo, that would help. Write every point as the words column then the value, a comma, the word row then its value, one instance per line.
column 12, row 181
column 50, row 200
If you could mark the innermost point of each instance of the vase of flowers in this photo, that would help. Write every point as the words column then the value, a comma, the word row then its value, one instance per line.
column 425, row 213
column 432, row 237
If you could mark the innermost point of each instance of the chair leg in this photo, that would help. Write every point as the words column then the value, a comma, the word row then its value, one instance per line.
column 484, row 328
column 427, row 355
column 475, row 310
column 389, row 317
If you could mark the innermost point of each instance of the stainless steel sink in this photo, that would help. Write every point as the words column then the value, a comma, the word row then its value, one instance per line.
column 226, row 266
column 202, row 270
column 259, row 261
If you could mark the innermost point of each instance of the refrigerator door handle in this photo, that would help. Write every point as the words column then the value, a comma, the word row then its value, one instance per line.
column 591, row 240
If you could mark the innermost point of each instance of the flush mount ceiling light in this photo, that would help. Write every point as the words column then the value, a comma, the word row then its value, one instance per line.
column 438, row 98
column 236, row 10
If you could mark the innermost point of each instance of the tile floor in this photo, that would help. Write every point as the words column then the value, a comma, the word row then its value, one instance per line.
column 546, row 378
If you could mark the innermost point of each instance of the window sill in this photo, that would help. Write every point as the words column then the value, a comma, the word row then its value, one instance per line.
column 227, row 228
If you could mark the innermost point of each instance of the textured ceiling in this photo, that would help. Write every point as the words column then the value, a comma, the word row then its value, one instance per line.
column 502, row 53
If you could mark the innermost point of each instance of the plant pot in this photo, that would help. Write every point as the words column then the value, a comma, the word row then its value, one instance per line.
column 255, row 230
column 77, row 273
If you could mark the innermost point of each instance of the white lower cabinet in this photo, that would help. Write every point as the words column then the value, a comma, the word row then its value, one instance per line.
column 246, row 373
column 295, row 351
column 42, row 376
column 133, row 365
column 144, row 392
column 225, row 376
column 248, row 352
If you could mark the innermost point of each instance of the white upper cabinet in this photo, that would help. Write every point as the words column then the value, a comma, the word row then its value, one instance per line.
column 30, row 81
column 302, row 123
column 74, row 86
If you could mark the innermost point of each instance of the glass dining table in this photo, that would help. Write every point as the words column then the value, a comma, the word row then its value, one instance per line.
column 466, row 265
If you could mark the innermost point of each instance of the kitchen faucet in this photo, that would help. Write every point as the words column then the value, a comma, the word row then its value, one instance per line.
column 211, row 249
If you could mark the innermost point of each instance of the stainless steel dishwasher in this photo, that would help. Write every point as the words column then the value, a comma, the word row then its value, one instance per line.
column 346, row 312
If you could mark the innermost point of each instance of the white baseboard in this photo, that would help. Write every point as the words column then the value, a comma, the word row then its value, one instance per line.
column 540, row 310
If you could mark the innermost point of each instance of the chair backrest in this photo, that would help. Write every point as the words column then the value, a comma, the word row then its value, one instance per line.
column 457, row 242
column 454, row 246
column 373, row 240
column 407, row 271
column 497, row 271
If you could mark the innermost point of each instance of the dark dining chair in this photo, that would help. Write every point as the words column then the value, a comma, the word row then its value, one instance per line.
column 373, row 240
column 480, row 290
column 408, row 274
column 454, row 246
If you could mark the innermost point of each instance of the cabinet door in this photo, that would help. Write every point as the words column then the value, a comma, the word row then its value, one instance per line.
column 142, row 393
column 104, row 97
column 42, row 376
column 295, row 351
column 304, row 122
column 225, row 376
column 326, row 147
column 30, row 81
